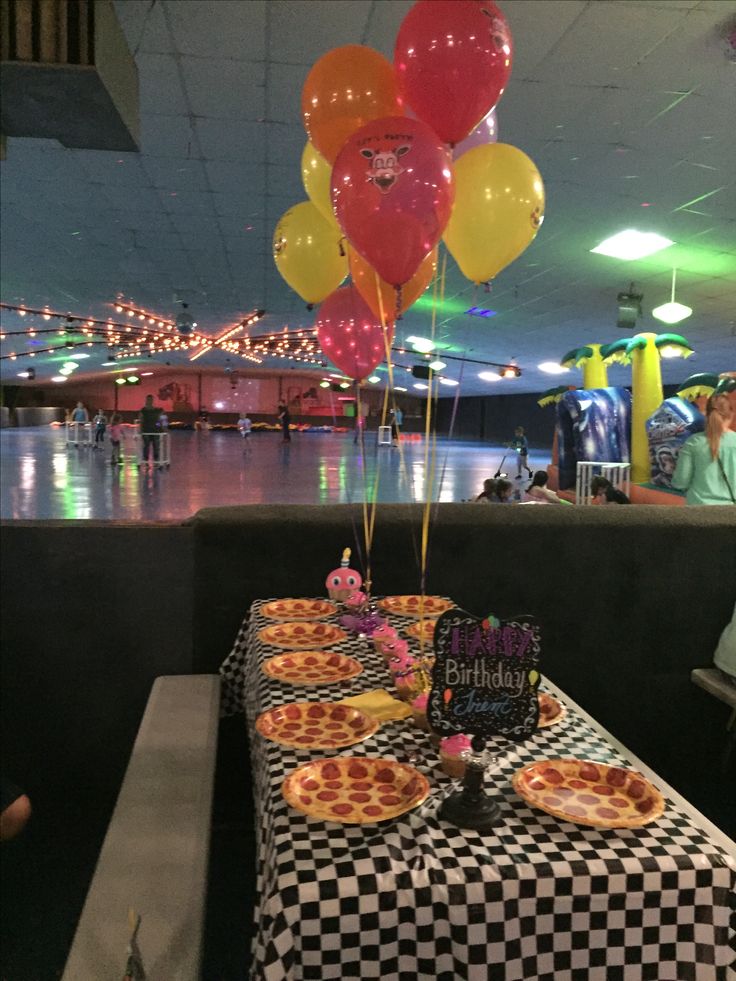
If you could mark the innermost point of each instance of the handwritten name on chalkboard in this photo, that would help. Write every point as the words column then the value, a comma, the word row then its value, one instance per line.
column 485, row 677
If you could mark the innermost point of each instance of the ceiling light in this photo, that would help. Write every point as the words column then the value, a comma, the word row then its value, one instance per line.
column 119, row 381
column 65, row 371
column 421, row 344
column 672, row 312
column 437, row 365
column 552, row 368
column 324, row 384
column 145, row 374
column 71, row 365
column 344, row 384
column 421, row 386
column 398, row 388
column 374, row 379
column 80, row 356
column 489, row 376
column 58, row 378
column 24, row 374
column 108, row 364
column 668, row 351
column 449, row 381
column 631, row 244
column 510, row 371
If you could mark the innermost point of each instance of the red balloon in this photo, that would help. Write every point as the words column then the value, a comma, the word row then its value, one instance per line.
column 392, row 192
column 349, row 334
column 453, row 61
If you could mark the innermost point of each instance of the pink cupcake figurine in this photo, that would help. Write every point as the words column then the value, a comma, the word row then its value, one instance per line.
column 406, row 685
column 400, row 663
column 356, row 601
column 397, row 647
column 383, row 635
column 343, row 581
column 454, row 752
column 419, row 711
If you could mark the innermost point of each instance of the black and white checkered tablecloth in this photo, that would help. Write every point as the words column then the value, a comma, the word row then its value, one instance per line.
column 412, row 898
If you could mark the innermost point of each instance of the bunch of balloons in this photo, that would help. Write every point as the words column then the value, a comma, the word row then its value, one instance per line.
column 384, row 187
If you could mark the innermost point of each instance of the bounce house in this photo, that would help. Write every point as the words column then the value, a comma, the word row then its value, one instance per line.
column 592, row 425
column 667, row 429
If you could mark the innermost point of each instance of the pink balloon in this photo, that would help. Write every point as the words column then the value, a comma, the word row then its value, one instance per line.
column 484, row 133
column 392, row 192
column 349, row 334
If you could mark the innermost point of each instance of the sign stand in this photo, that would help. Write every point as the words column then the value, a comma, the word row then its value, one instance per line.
column 471, row 807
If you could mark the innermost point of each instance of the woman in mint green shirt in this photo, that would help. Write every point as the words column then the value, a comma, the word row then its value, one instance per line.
column 706, row 465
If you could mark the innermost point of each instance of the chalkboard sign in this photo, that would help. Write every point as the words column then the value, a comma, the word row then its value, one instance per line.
column 485, row 677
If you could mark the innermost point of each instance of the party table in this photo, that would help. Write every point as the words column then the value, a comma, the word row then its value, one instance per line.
column 416, row 898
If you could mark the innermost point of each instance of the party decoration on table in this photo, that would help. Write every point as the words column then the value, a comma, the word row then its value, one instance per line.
column 499, row 208
column 484, row 683
column 311, row 667
column 298, row 609
column 369, row 284
column 316, row 725
column 308, row 254
column 453, row 61
column 379, row 704
column 363, row 623
column 350, row 334
column 484, row 133
column 551, row 711
column 415, row 606
column 316, row 180
column 385, row 634
column 355, row 789
column 340, row 583
column 421, row 630
column 392, row 192
column 595, row 794
column 301, row 636
column 344, row 90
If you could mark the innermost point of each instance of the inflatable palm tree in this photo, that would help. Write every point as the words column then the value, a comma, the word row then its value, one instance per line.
column 643, row 352
column 595, row 373
column 706, row 384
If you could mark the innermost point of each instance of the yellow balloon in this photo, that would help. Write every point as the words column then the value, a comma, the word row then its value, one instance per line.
column 533, row 677
column 499, row 206
column 308, row 253
column 316, row 173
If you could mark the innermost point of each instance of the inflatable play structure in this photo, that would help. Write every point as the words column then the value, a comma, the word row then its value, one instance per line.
column 610, row 425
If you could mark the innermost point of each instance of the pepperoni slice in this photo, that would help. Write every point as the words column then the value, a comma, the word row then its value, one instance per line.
column 327, row 795
column 311, row 660
column 297, row 630
column 564, row 792
column 587, row 799
column 291, row 726
column 292, row 712
column 386, row 788
column 342, row 808
column 616, row 777
column 372, row 810
column 552, row 776
column 356, row 724
column 330, row 771
column 410, row 788
column 390, row 800
column 333, row 661
column 618, row 802
column 339, row 714
column 644, row 806
column 315, row 712
column 589, row 772
column 575, row 810
column 602, row 790
column 386, row 775
column 305, row 799
column 333, row 725
column 303, row 739
column 637, row 789
column 357, row 771
column 333, row 784
column 606, row 812
column 287, row 663
column 552, row 801
column 537, row 784
column 310, row 784
column 362, row 785
column 359, row 798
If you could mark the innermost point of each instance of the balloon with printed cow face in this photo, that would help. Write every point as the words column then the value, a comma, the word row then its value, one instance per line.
column 392, row 192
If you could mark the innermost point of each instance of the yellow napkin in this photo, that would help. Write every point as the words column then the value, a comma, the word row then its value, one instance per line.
column 379, row 704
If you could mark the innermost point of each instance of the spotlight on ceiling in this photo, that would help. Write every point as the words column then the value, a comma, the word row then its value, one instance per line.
column 629, row 308
column 184, row 321
column 511, row 371
column 489, row 376
column 552, row 368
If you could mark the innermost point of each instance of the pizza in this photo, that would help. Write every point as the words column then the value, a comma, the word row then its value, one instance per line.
column 355, row 789
column 412, row 606
column 550, row 710
column 422, row 630
column 299, row 636
column 298, row 609
column 316, row 725
column 595, row 794
column 311, row 667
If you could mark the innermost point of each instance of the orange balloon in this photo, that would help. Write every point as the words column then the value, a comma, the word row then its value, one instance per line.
column 364, row 277
column 347, row 88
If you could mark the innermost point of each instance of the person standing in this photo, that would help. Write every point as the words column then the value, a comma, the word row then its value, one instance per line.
column 285, row 420
column 100, row 422
column 148, row 418
column 244, row 426
column 521, row 445
column 79, row 413
column 116, row 435
column 706, row 463
column 397, row 419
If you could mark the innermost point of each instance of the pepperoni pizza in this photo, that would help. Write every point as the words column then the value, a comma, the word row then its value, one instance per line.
column 316, row 725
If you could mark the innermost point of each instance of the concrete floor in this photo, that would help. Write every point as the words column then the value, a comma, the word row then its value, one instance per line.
column 40, row 477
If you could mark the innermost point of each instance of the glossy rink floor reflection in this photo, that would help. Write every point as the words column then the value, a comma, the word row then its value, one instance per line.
column 41, row 478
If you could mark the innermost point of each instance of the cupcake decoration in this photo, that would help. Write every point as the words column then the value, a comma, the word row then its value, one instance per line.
column 343, row 581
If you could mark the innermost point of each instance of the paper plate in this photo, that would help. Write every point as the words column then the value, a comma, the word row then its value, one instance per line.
column 355, row 789
column 595, row 794
column 311, row 667
column 298, row 609
column 550, row 710
column 410, row 606
column 300, row 636
column 316, row 725
column 422, row 630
